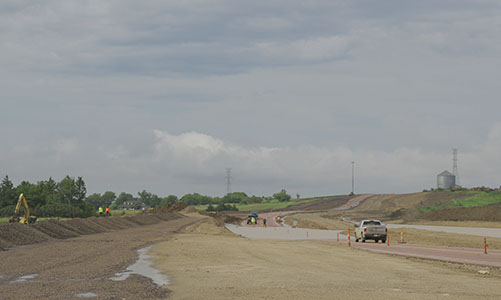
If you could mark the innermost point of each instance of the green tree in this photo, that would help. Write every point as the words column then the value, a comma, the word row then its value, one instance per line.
column 94, row 200
column 282, row 196
column 66, row 190
column 169, row 199
column 7, row 192
column 124, row 197
column 108, row 198
column 81, row 190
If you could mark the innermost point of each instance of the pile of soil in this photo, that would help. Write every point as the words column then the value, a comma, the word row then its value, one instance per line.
column 189, row 210
column 175, row 207
column 479, row 213
column 16, row 234
column 222, row 219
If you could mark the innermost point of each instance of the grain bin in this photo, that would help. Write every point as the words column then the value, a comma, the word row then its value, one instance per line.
column 446, row 180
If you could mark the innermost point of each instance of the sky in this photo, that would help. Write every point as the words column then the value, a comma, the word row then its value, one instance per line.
column 165, row 95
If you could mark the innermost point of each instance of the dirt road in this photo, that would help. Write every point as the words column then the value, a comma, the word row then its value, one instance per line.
column 208, row 262
column 479, row 231
column 83, row 266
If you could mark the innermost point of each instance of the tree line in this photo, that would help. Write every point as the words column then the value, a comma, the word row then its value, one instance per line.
column 68, row 198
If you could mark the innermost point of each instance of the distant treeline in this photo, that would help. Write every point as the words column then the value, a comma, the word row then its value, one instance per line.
column 68, row 198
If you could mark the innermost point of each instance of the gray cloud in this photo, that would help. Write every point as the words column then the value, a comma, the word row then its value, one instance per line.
column 393, row 85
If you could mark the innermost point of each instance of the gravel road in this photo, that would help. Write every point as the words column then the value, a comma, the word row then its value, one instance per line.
column 83, row 266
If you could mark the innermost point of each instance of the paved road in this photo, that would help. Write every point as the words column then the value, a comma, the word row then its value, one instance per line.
column 451, row 254
column 283, row 233
column 354, row 202
column 480, row 231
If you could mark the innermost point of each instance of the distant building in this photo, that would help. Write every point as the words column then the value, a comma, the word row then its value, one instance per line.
column 446, row 180
column 132, row 205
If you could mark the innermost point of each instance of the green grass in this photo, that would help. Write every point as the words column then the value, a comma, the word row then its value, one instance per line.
column 273, row 204
column 474, row 198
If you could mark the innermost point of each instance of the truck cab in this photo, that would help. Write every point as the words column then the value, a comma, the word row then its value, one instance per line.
column 370, row 230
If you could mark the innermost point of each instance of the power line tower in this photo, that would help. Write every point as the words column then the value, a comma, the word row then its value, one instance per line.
column 455, row 165
column 228, row 180
column 352, row 178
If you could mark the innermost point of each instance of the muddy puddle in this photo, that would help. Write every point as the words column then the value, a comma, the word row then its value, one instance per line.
column 143, row 267
column 25, row 278
column 86, row 295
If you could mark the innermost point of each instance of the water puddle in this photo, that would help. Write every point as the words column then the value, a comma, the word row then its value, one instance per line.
column 86, row 295
column 143, row 267
column 25, row 278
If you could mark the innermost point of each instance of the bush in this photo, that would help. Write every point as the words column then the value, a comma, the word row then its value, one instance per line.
column 282, row 196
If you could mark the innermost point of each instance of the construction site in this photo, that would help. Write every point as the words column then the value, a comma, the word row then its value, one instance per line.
column 177, row 252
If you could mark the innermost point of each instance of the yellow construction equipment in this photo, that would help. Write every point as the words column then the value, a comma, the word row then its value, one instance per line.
column 27, row 218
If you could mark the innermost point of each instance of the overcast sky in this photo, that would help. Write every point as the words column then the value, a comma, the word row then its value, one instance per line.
column 165, row 95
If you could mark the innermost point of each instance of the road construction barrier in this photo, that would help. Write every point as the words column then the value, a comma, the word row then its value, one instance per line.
column 349, row 239
column 306, row 234
column 338, row 236
column 388, row 239
column 485, row 245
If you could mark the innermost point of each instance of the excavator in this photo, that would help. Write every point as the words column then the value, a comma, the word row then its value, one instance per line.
column 27, row 218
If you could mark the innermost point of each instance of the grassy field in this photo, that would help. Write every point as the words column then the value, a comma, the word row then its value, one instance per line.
column 273, row 204
column 467, row 199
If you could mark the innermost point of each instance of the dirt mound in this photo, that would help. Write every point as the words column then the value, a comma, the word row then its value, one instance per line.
column 53, row 229
column 189, row 210
column 208, row 226
column 481, row 213
column 16, row 234
column 175, row 207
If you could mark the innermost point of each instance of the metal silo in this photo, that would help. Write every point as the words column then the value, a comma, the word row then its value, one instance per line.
column 446, row 180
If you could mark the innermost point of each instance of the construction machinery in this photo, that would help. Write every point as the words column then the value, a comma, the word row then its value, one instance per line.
column 27, row 218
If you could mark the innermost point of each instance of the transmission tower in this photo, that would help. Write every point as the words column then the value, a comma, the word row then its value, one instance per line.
column 455, row 165
column 228, row 180
column 353, row 178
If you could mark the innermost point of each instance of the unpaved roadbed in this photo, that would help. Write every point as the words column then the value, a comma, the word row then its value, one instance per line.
column 66, row 268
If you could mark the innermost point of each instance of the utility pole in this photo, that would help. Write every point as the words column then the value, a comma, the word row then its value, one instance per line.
column 353, row 178
column 228, row 180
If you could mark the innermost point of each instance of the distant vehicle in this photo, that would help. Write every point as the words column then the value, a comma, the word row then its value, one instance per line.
column 252, row 217
column 370, row 230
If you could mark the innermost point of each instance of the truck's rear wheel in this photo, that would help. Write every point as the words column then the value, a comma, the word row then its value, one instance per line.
column 383, row 240
column 376, row 241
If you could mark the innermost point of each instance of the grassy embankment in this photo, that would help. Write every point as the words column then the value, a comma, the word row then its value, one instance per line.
column 467, row 199
column 272, row 205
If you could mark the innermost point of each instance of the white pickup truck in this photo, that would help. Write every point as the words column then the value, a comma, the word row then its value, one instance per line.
column 370, row 230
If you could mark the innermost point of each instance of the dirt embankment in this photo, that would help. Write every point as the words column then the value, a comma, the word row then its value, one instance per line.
column 16, row 234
